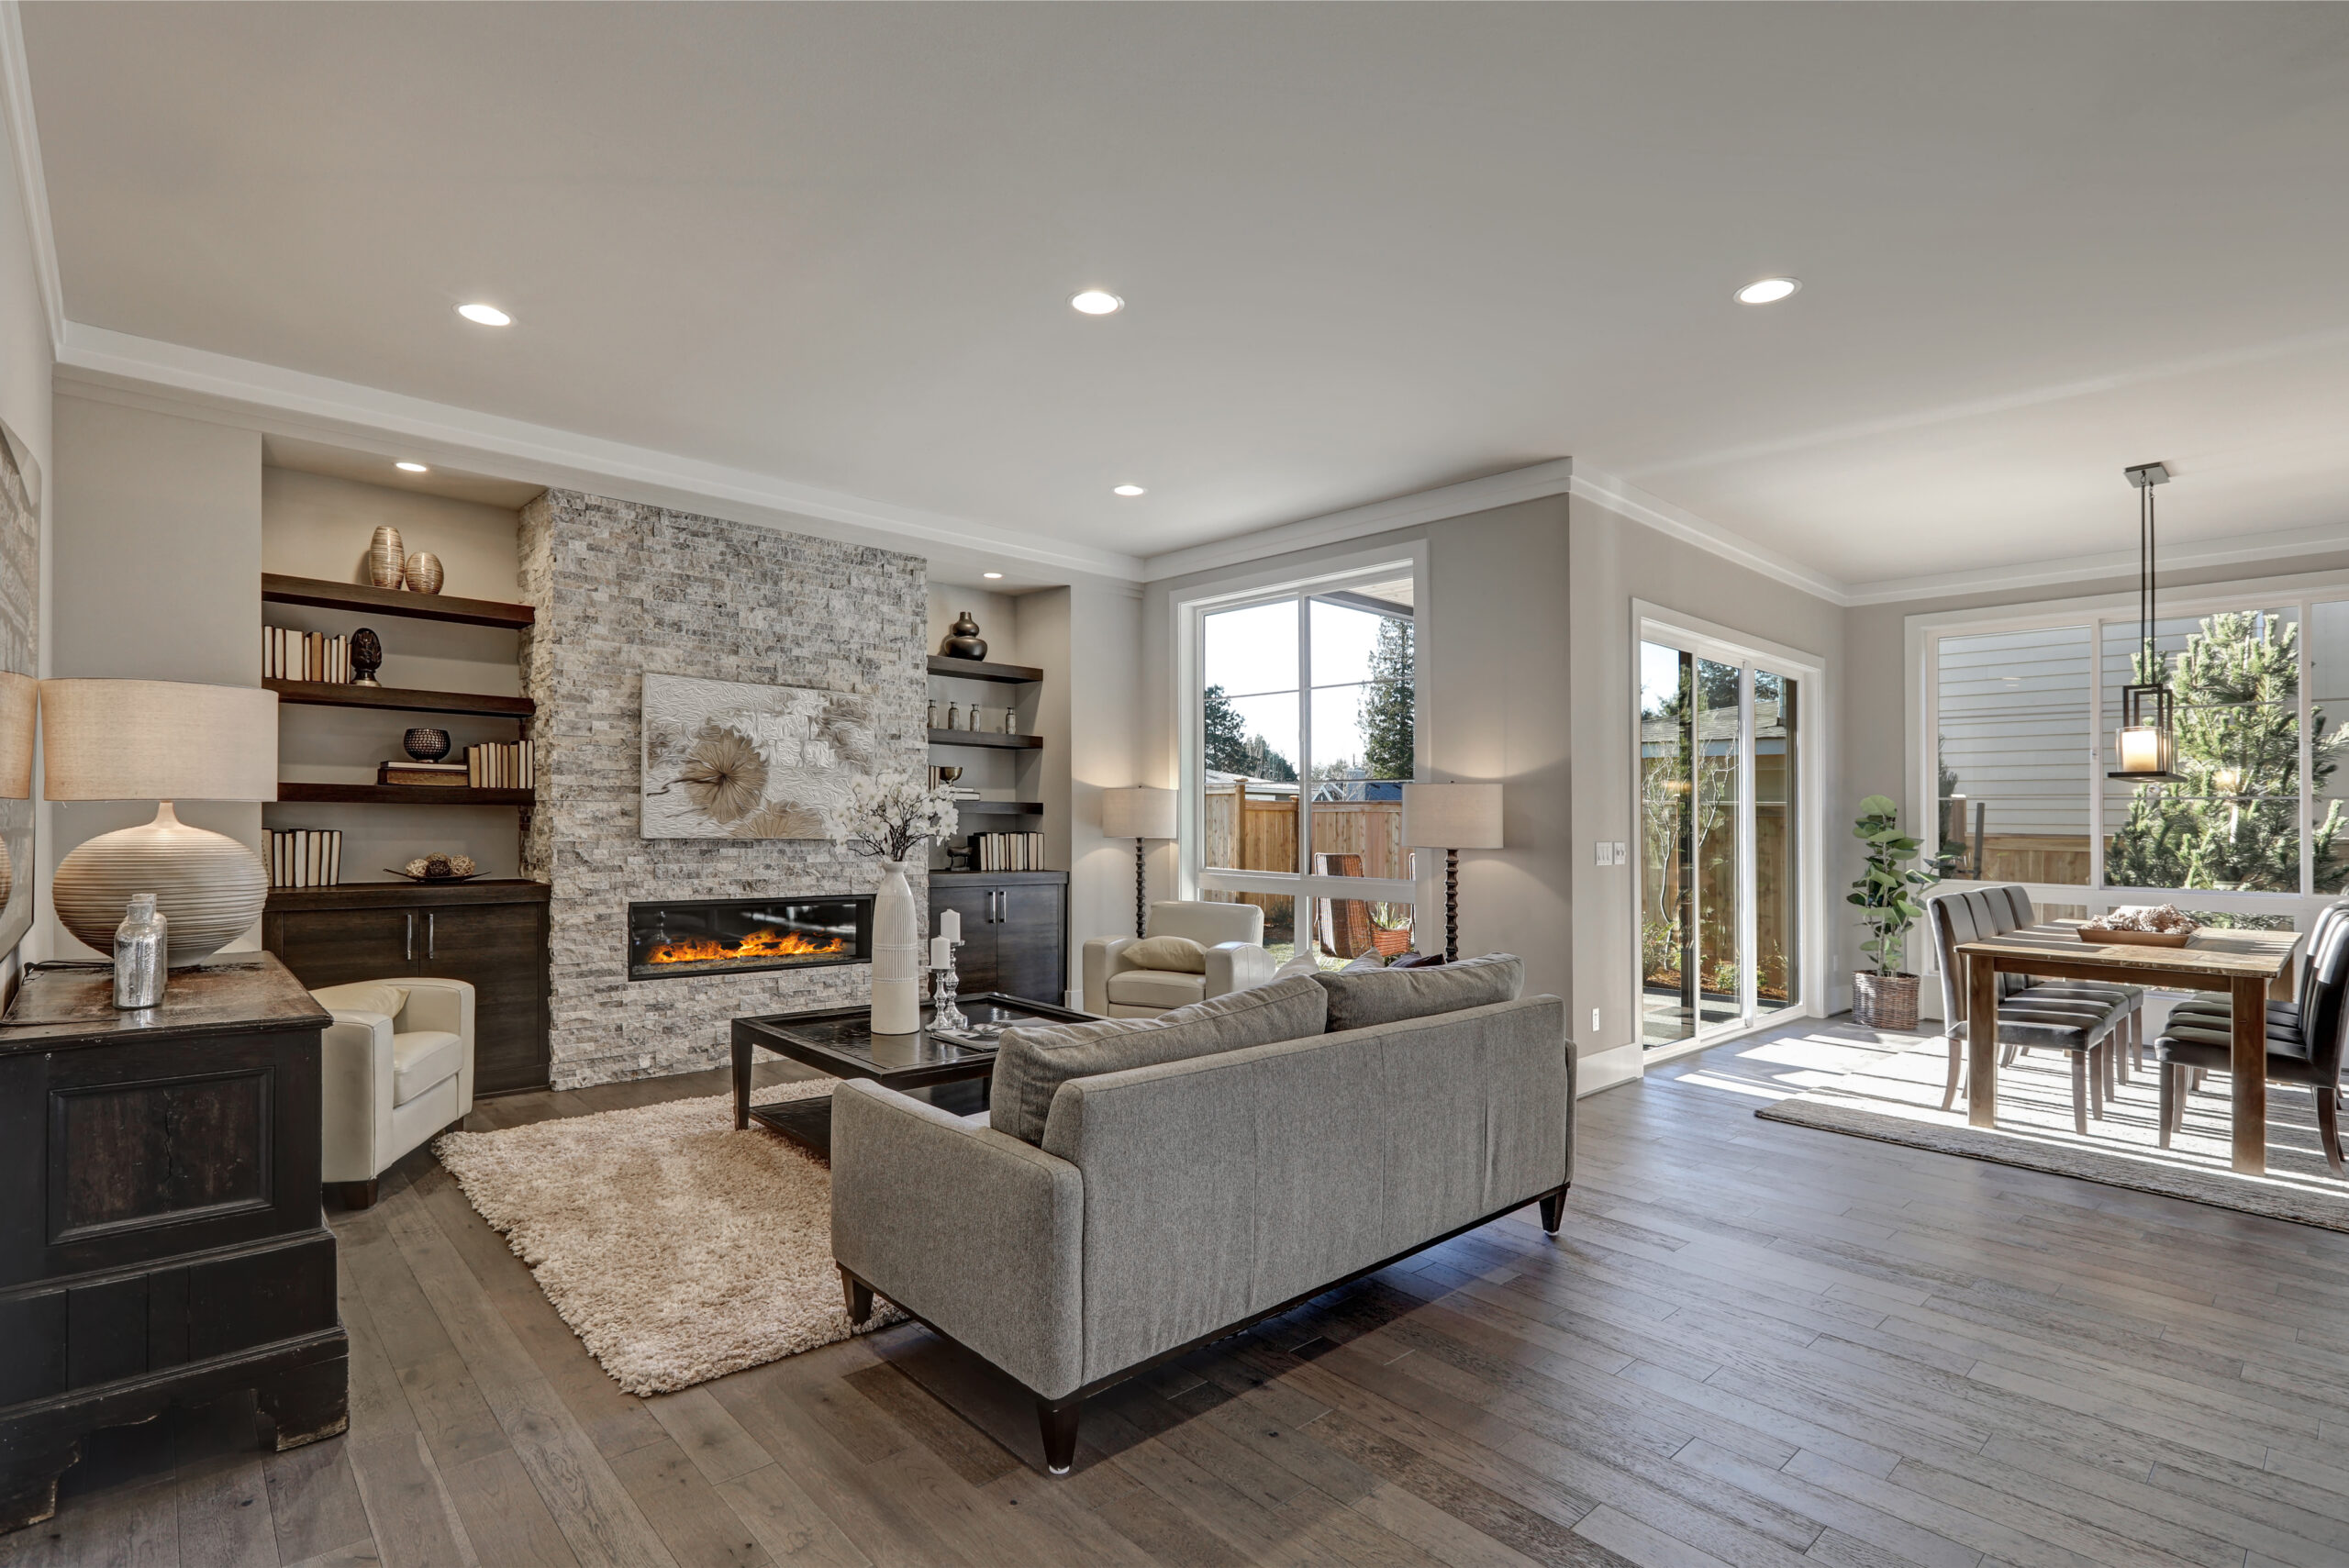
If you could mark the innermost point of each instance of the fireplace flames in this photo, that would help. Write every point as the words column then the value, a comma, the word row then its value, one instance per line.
column 764, row 943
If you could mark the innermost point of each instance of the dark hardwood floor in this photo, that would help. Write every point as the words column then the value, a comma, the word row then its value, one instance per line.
column 1752, row 1344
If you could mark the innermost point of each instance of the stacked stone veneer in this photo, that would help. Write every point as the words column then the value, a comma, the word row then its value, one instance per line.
column 622, row 589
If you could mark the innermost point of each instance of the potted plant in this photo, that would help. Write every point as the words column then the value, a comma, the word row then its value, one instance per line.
column 1887, row 894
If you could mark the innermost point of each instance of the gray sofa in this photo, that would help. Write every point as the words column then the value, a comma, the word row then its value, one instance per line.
column 1167, row 1204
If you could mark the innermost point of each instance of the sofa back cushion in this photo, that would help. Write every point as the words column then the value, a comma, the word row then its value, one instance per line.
column 1363, row 998
column 1032, row 1064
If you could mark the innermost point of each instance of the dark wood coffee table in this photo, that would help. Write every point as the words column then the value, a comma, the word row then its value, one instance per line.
column 841, row 1042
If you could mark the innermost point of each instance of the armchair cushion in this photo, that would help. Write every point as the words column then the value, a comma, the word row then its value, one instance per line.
column 1030, row 1064
column 1180, row 954
column 365, row 996
column 1361, row 998
column 423, row 1059
column 1163, row 989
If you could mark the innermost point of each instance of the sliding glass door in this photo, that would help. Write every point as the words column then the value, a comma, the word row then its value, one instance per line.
column 1718, row 907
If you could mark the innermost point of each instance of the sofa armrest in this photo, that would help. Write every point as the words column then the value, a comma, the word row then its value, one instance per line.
column 1237, row 966
column 354, row 1096
column 975, row 1232
column 1104, row 956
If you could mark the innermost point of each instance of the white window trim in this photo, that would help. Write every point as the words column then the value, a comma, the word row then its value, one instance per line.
column 1725, row 644
column 2298, row 591
column 1270, row 587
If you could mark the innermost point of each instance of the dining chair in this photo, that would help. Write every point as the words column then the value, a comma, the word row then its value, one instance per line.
column 2214, row 1006
column 2303, row 1047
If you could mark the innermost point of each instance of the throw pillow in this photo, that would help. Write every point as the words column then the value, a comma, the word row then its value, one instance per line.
column 1180, row 954
column 1360, row 999
column 385, row 999
column 1303, row 963
column 1367, row 961
column 1414, row 960
column 1032, row 1064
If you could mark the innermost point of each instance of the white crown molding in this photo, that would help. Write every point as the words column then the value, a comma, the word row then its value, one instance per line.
column 1529, row 484
column 32, row 183
column 295, row 403
column 1621, row 496
column 2231, row 551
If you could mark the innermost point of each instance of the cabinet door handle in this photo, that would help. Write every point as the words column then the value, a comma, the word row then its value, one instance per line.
column 410, row 953
column 431, row 932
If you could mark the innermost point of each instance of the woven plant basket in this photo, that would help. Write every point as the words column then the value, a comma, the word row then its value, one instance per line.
column 1885, row 1002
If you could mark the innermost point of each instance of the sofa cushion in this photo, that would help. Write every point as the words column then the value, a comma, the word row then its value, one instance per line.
column 1180, row 954
column 1030, row 1064
column 1164, row 989
column 422, row 1059
column 1362, row 998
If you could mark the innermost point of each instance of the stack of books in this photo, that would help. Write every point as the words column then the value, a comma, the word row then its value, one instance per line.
column 446, row 775
column 1007, row 851
column 290, row 655
column 305, row 857
column 502, row 764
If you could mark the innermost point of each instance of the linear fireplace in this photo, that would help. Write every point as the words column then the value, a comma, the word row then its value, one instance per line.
column 729, row 936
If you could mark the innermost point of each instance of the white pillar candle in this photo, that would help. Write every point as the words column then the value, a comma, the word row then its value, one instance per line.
column 2141, row 750
column 949, row 925
column 942, row 953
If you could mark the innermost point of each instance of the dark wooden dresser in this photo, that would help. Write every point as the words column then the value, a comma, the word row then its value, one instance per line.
column 493, row 934
column 161, row 1236
column 1014, row 931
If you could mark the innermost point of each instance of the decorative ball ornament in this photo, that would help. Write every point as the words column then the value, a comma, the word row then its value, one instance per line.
column 423, row 572
column 385, row 561
column 210, row 887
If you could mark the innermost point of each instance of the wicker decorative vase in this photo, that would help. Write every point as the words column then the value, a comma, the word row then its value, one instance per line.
column 424, row 572
column 1885, row 1002
column 385, row 560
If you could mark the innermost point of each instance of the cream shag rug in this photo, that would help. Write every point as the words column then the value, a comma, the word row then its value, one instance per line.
column 677, row 1249
column 1896, row 1096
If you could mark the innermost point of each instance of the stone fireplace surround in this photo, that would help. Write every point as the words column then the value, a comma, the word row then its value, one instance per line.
column 621, row 589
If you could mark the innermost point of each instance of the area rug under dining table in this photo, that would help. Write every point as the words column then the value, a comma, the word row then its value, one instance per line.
column 1896, row 1096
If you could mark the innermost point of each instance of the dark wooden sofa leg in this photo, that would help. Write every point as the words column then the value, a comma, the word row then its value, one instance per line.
column 1554, row 1210
column 1058, row 1420
column 858, row 1295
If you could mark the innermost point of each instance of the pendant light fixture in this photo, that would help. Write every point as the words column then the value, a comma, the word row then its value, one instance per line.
column 2146, row 744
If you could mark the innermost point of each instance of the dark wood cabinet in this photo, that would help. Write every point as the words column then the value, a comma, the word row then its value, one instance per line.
column 161, row 1236
column 1015, row 931
column 493, row 934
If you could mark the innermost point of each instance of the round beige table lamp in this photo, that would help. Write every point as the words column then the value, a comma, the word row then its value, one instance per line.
column 159, row 741
column 19, row 699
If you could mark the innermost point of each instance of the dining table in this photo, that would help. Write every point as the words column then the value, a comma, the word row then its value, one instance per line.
column 2246, row 966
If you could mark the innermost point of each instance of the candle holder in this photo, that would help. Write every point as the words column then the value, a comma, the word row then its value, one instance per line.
column 945, row 1016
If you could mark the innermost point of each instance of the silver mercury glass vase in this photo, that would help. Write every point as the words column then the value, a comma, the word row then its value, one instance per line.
column 140, row 944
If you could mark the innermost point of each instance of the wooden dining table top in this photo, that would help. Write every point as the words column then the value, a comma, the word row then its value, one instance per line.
column 2223, row 954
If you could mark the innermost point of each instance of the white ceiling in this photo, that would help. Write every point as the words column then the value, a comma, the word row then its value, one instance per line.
column 1368, row 249
column 379, row 467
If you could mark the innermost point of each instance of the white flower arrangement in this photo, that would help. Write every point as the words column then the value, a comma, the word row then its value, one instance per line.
column 887, row 816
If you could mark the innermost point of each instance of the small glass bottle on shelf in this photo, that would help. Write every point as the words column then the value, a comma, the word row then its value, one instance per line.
column 140, row 945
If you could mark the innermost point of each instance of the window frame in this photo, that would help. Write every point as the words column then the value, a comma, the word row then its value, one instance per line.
column 1299, row 884
column 2299, row 595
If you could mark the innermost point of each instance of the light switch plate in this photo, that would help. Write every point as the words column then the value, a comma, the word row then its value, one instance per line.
column 1604, row 853
column 1622, row 859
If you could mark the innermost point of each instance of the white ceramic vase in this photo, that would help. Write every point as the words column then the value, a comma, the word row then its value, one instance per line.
column 897, row 955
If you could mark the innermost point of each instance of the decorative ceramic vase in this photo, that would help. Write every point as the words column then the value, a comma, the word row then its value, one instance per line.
column 897, row 955
column 964, row 640
column 424, row 572
column 366, row 657
column 384, row 558
column 426, row 745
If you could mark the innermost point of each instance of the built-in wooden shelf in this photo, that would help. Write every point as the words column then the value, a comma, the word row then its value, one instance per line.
column 394, row 892
column 279, row 589
column 978, row 738
column 400, row 795
column 406, row 699
column 1000, row 807
column 980, row 670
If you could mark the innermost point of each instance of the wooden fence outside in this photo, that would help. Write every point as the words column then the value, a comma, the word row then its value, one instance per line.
column 1266, row 840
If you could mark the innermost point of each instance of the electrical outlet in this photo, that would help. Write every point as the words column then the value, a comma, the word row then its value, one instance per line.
column 1594, row 1021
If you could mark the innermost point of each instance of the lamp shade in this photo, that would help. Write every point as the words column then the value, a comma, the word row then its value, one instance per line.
column 1137, row 813
column 1451, row 815
column 19, row 698
column 157, row 740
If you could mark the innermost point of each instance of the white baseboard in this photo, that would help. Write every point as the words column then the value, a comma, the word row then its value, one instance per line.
column 1605, row 1069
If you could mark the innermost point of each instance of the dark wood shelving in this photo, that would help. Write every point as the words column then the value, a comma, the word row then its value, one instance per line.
column 399, row 794
column 975, row 737
column 1000, row 807
column 386, row 894
column 406, row 699
column 279, row 589
column 980, row 670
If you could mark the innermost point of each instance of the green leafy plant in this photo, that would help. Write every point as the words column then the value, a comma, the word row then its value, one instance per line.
column 1887, row 893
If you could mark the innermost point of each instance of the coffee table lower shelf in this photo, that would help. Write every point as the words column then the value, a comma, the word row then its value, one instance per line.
column 808, row 1122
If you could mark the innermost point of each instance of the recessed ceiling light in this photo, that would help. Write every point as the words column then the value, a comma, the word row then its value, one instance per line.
column 1128, row 490
column 1095, row 302
column 991, row 576
column 1767, row 291
column 411, row 467
column 486, row 314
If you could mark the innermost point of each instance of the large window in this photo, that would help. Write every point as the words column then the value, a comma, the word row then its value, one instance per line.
column 1305, row 734
column 2022, row 722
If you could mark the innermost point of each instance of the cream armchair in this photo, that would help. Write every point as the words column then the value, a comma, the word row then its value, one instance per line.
column 389, row 1081
column 1233, row 935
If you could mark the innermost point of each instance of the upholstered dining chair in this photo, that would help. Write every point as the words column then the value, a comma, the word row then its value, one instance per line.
column 2088, row 1020
column 2207, row 1007
column 2303, row 1046
column 396, row 1067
